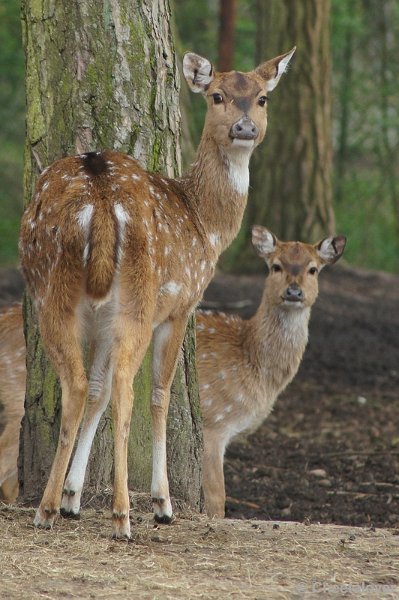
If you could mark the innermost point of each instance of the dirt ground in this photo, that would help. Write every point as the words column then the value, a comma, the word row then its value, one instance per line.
column 194, row 558
column 328, row 454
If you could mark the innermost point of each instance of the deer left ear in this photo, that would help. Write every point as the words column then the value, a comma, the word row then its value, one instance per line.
column 198, row 72
column 331, row 249
column 272, row 70
column 263, row 240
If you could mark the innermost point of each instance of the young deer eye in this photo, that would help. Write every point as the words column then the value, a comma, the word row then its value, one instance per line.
column 276, row 268
column 312, row 271
column 217, row 98
column 262, row 100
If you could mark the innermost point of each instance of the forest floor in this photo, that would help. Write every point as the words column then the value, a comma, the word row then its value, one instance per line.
column 313, row 495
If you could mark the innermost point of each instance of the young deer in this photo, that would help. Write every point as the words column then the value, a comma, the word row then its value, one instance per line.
column 244, row 365
column 114, row 254
column 12, row 394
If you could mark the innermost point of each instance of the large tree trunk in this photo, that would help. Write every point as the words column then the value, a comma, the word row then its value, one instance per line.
column 104, row 75
column 291, row 187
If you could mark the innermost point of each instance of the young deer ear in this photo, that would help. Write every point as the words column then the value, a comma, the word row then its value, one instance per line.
column 198, row 72
column 331, row 249
column 263, row 240
column 272, row 70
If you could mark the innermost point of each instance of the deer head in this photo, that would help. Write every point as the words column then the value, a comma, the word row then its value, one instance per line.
column 237, row 102
column 292, row 282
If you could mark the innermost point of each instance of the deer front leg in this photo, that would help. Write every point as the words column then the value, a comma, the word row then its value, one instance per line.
column 168, row 338
column 212, row 474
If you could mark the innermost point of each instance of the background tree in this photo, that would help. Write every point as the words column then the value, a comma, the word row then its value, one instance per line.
column 365, row 44
column 291, row 173
column 104, row 76
column 227, row 24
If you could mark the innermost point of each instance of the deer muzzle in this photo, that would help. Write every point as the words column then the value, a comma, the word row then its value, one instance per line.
column 293, row 293
column 244, row 129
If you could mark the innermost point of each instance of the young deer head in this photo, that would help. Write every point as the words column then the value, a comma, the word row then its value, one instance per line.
column 112, row 253
column 292, row 282
column 244, row 365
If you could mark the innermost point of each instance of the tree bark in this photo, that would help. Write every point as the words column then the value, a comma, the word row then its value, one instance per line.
column 227, row 20
column 291, row 187
column 104, row 75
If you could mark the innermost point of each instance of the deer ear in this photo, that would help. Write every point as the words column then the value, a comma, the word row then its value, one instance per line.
column 198, row 72
column 331, row 249
column 272, row 70
column 263, row 240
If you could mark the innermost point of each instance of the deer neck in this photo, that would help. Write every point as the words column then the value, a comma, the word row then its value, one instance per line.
column 277, row 340
column 217, row 185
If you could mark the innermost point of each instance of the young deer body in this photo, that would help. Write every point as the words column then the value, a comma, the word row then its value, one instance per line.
column 12, row 394
column 244, row 365
column 115, row 255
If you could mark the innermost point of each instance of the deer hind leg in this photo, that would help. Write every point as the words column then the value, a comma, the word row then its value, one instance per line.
column 61, row 338
column 212, row 474
column 100, row 380
column 168, row 338
column 132, row 339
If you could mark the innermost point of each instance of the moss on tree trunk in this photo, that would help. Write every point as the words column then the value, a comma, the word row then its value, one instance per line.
column 104, row 75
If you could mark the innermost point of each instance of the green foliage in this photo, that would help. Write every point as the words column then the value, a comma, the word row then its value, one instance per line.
column 12, row 107
column 365, row 46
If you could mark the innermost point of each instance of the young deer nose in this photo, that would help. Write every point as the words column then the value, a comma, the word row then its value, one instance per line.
column 293, row 293
column 244, row 129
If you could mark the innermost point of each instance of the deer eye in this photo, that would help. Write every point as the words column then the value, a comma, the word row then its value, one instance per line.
column 262, row 100
column 312, row 271
column 217, row 98
column 276, row 268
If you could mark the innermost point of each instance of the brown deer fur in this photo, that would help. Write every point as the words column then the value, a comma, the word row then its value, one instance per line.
column 244, row 365
column 113, row 253
column 12, row 394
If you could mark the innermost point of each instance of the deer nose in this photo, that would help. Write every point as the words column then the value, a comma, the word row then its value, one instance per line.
column 293, row 293
column 244, row 129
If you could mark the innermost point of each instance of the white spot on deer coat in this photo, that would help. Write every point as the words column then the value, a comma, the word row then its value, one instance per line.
column 84, row 216
column 214, row 239
column 171, row 287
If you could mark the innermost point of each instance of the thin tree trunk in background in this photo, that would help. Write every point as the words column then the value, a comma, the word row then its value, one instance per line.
column 387, row 153
column 104, row 75
column 341, row 157
column 291, row 187
column 227, row 21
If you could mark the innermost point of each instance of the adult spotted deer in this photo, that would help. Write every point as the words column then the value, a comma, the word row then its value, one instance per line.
column 244, row 365
column 114, row 254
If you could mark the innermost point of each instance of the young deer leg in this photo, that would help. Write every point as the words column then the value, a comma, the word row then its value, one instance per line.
column 9, row 489
column 212, row 475
column 99, row 394
column 133, row 338
column 67, row 360
column 168, row 338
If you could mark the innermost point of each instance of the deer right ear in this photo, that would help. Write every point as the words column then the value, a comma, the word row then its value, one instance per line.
column 263, row 240
column 198, row 72
column 272, row 70
column 331, row 249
